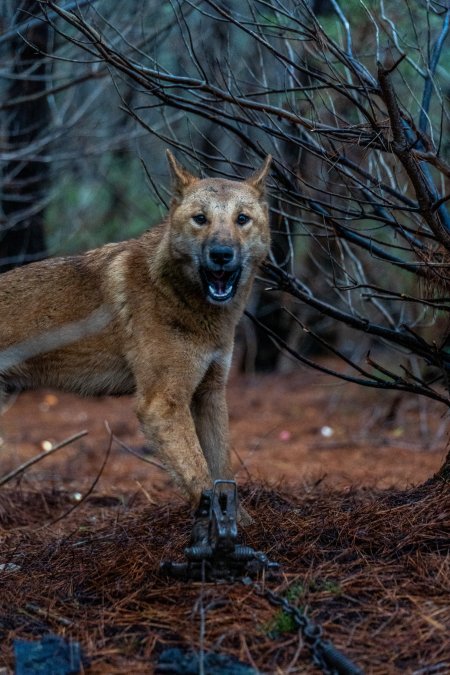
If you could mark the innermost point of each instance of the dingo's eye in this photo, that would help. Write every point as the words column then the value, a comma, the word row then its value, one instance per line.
column 242, row 219
column 200, row 219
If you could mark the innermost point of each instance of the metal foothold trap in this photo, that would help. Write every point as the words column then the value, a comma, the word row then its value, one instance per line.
column 214, row 553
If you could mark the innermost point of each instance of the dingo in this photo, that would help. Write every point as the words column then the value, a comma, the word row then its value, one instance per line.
column 155, row 316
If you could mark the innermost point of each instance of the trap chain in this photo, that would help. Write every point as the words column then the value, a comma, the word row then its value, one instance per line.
column 214, row 554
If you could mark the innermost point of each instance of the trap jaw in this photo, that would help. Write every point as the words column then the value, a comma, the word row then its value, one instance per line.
column 213, row 553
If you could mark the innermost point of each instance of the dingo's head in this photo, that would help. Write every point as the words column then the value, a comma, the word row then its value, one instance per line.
column 219, row 230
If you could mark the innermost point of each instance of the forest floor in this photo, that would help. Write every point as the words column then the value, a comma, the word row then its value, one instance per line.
column 328, row 471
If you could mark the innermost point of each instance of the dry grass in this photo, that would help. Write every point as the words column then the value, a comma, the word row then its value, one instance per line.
column 372, row 567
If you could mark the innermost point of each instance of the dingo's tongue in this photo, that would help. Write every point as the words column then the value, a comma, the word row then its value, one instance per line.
column 220, row 282
column 221, row 286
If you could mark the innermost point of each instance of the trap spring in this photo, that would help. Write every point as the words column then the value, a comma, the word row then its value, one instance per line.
column 213, row 553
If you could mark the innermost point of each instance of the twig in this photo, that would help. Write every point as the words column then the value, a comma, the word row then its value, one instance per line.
column 133, row 452
column 292, row 285
column 372, row 381
column 401, row 149
column 91, row 488
column 241, row 462
column 34, row 460
column 46, row 613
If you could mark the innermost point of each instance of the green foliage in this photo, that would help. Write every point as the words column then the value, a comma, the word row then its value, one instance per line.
column 282, row 622
column 295, row 592
column 90, row 211
column 330, row 586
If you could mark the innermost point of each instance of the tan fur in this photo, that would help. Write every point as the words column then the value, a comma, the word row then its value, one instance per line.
column 134, row 317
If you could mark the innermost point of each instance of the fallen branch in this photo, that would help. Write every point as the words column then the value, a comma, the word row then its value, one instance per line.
column 34, row 460
column 133, row 452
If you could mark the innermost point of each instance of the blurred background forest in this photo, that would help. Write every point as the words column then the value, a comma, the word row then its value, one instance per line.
column 350, row 98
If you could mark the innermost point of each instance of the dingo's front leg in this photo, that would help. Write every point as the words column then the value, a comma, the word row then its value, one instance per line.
column 168, row 425
column 210, row 413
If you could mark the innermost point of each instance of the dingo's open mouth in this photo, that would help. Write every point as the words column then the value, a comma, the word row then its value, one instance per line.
column 220, row 286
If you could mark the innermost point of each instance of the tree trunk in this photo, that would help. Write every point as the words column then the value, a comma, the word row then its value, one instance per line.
column 22, row 237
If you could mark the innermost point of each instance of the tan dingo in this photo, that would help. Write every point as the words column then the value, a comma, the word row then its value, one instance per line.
column 155, row 316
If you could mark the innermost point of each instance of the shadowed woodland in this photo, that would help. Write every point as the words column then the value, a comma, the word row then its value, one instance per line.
column 352, row 101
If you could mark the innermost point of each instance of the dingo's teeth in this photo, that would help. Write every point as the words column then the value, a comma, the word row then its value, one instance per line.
column 220, row 286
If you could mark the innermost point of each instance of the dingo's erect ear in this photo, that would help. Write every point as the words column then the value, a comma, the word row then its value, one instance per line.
column 258, row 179
column 181, row 177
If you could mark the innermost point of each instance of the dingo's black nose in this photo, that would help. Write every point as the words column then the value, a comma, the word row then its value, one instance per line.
column 221, row 255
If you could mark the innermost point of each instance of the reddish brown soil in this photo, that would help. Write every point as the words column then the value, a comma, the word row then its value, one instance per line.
column 279, row 427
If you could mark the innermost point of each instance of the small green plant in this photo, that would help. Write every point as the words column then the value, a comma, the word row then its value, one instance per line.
column 295, row 592
column 279, row 624
column 330, row 587
column 283, row 622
